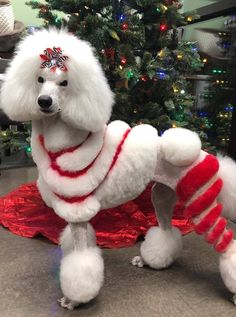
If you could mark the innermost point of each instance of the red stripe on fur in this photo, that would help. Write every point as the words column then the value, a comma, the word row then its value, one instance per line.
column 197, row 177
column 75, row 199
column 54, row 155
column 208, row 221
column 216, row 232
column 227, row 238
column 78, row 199
column 204, row 201
column 73, row 174
column 118, row 150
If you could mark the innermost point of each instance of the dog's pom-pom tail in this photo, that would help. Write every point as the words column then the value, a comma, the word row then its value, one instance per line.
column 82, row 274
column 227, row 197
column 228, row 267
column 180, row 147
column 161, row 247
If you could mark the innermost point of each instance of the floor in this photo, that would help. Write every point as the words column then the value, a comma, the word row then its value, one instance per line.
column 29, row 285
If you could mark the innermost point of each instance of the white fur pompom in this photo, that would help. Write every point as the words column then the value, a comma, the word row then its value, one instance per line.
column 82, row 274
column 228, row 267
column 180, row 147
column 161, row 247
column 227, row 196
column 66, row 239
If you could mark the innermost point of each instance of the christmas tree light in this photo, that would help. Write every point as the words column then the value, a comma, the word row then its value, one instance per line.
column 163, row 27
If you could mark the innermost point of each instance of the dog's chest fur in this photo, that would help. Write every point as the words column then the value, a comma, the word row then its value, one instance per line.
column 111, row 166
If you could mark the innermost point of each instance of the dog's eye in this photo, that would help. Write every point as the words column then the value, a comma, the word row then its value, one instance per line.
column 40, row 79
column 64, row 83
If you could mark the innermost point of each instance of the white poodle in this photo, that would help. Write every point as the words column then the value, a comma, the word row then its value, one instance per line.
column 86, row 165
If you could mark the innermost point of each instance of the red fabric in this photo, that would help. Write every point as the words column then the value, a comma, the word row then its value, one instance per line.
column 208, row 221
column 198, row 176
column 25, row 214
column 204, row 200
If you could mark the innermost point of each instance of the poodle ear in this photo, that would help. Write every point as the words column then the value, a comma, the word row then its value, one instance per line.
column 18, row 91
column 90, row 99
column 16, row 99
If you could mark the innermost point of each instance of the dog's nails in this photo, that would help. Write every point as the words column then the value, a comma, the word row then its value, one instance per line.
column 234, row 299
column 137, row 261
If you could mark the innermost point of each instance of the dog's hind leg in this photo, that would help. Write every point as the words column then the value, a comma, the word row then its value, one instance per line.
column 162, row 244
column 82, row 268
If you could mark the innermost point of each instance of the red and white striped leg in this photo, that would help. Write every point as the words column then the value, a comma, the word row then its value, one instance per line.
column 198, row 190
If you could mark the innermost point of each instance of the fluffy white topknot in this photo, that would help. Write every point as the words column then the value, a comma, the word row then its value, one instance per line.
column 180, row 147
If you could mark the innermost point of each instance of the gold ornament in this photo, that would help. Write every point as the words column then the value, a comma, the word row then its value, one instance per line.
column 114, row 35
column 176, row 90
column 161, row 54
column 164, row 8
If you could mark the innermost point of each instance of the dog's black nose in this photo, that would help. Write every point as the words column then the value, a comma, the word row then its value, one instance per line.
column 44, row 101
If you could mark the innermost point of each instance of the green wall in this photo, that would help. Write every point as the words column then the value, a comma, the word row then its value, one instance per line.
column 192, row 5
column 25, row 14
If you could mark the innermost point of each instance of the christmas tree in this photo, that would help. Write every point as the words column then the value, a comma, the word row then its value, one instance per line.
column 139, row 45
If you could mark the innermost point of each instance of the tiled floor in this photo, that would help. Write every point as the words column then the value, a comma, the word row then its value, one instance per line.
column 29, row 285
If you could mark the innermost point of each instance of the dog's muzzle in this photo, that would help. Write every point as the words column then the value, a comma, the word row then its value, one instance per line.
column 45, row 103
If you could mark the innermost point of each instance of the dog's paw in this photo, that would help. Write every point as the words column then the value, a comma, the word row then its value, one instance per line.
column 234, row 299
column 137, row 261
column 66, row 303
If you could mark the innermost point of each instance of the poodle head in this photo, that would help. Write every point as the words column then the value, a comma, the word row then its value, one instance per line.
column 56, row 74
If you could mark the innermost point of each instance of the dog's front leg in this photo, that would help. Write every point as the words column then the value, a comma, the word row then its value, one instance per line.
column 82, row 268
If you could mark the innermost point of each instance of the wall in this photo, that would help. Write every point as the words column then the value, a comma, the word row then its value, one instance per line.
column 192, row 5
column 25, row 14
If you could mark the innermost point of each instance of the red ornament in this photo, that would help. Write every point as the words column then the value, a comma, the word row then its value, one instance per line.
column 175, row 3
column 123, row 60
column 109, row 53
column 125, row 26
column 144, row 78
column 43, row 9
column 163, row 27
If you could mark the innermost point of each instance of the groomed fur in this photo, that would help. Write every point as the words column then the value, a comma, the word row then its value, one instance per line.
column 180, row 147
column 67, row 243
column 161, row 247
column 88, row 101
column 82, row 274
column 227, row 197
column 228, row 267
